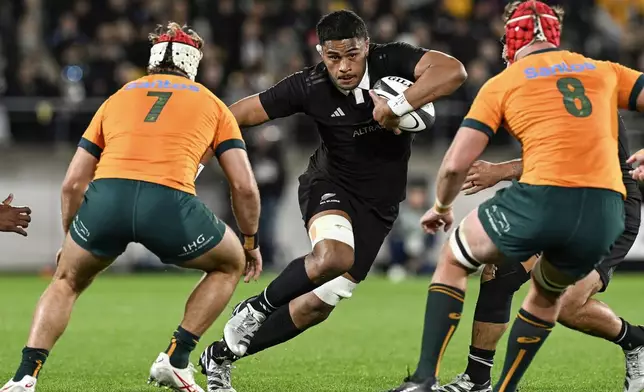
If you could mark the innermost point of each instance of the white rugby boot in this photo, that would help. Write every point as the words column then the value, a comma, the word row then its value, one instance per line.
column 163, row 374
column 463, row 383
column 634, row 381
column 27, row 384
column 241, row 328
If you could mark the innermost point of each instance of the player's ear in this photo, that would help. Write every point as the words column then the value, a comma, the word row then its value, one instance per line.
column 366, row 44
column 318, row 47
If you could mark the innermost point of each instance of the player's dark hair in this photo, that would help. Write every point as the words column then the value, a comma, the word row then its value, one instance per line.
column 339, row 25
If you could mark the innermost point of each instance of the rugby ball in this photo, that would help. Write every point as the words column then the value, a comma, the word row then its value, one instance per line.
column 416, row 121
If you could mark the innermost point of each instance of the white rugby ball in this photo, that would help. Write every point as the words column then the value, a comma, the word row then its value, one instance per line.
column 419, row 120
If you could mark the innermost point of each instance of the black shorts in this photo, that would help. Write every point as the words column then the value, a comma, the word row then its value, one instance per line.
column 370, row 226
column 623, row 244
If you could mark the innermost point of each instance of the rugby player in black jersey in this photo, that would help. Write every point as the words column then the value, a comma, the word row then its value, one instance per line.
column 350, row 192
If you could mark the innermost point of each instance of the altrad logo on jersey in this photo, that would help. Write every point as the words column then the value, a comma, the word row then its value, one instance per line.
column 162, row 84
column 367, row 129
column 557, row 69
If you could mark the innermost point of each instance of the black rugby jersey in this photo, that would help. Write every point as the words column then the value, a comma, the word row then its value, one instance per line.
column 357, row 154
column 632, row 188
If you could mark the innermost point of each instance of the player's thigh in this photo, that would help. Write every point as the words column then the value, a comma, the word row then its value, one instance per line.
column 329, row 219
column 103, row 224
column 623, row 244
column 78, row 266
column 227, row 256
column 597, row 225
column 174, row 225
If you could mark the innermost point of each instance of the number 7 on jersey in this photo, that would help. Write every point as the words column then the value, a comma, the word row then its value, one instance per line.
column 155, row 110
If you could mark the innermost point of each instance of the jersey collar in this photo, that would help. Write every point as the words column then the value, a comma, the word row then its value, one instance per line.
column 363, row 85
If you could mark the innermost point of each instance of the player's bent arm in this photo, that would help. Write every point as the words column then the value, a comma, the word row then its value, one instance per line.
column 249, row 111
column 467, row 146
column 79, row 174
column 437, row 75
column 243, row 189
column 510, row 170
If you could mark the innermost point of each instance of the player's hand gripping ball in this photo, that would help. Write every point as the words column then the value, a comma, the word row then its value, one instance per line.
column 415, row 121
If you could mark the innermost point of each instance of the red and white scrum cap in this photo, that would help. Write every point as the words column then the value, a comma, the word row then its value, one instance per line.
column 181, row 49
column 532, row 21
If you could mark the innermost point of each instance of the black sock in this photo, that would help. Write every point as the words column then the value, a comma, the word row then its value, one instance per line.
column 181, row 345
column 630, row 336
column 479, row 365
column 278, row 328
column 290, row 284
column 526, row 337
column 442, row 313
column 32, row 361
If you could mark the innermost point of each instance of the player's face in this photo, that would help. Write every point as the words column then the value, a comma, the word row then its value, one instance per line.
column 346, row 61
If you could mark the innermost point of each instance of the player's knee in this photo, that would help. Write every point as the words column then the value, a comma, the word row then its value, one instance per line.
column 494, row 304
column 335, row 290
column 333, row 247
column 71, row 280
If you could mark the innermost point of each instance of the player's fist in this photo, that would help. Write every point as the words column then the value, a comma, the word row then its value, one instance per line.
column 383, row 114
column 637, row 159
column 14, row 219
column 482, row 175
column 433, row 220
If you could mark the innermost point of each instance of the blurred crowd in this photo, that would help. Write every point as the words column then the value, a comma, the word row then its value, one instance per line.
column 63, row 53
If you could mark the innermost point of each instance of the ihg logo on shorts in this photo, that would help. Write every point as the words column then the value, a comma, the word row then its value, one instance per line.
column 195, row 245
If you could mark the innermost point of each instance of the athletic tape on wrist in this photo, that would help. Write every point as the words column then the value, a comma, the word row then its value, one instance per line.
column 399, row 105
column 440, row 207
column 249, row 242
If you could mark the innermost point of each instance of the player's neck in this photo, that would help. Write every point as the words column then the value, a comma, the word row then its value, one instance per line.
column 537, row 46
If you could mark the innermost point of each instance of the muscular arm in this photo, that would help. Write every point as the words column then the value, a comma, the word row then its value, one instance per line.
column 437, row 75
column 249, row 111
column 79, row 174
column 243, row 189
column 466, row 147
column 510, row 170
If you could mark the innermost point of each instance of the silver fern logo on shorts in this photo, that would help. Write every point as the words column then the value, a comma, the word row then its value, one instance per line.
column 328, row 198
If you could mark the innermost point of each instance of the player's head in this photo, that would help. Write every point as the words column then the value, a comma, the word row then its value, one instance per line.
column 529, row 22
column 344, row 46
column 175, row 49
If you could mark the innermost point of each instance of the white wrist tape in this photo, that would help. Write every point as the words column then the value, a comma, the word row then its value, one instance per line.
column 442, row 206
column 399, row 105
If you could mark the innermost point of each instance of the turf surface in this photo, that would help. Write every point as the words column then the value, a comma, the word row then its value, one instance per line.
column 122, row 322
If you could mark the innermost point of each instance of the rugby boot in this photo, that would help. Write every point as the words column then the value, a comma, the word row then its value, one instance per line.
column 463, row 383
column 410, row 386
column 218, row 369
column 634, row 381
column 163, row 374
column 242, row 326
column 27, row 384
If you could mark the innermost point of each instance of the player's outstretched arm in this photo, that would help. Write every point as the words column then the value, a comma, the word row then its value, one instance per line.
column 483, row 175
column 437, row 75
column 249, row 111
column 79, row 174
column 243, row 189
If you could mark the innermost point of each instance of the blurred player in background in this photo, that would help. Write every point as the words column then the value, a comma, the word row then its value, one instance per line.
column 560, row 106
column 349, row 194
column 579, row 311
column 132, row 180
column 14, row 219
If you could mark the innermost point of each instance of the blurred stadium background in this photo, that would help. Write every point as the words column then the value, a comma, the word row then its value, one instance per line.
column 59, row 59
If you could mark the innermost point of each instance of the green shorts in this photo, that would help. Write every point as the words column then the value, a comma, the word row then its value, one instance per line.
column 174, row 225
column 574, row 227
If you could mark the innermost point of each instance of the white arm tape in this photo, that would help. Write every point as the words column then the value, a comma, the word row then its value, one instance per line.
column 335, row 290
column 199, row 169
column 331, row 227
column 399, row 105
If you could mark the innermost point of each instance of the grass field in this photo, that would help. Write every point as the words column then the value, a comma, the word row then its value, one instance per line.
column 122, row 322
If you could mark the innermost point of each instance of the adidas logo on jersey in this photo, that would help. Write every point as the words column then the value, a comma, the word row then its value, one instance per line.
column 338, row 113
